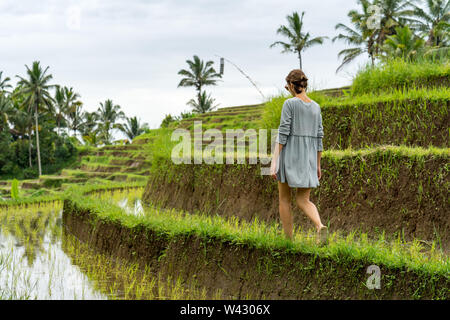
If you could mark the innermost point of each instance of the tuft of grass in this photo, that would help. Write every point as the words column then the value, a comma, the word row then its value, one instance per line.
column 397, row 73
column 15, row 189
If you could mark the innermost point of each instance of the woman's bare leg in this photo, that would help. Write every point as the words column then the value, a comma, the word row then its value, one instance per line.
column 303, row 202
column 285, row 208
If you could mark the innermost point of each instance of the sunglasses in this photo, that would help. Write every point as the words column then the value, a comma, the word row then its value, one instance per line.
column 286, row 87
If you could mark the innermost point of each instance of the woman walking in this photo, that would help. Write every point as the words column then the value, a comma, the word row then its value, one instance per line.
column 296, row 159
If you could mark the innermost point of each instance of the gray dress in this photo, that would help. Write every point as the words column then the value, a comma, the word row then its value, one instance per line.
column 300, row 133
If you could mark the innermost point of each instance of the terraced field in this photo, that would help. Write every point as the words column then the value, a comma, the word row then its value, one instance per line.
column 119, row 163
column 140, row 226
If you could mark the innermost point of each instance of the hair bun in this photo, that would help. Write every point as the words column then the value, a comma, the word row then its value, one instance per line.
column 298, row 78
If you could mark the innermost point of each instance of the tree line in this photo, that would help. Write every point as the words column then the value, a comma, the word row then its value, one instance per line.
column 43, row 120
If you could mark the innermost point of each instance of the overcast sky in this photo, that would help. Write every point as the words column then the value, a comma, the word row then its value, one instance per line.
column 131, row 51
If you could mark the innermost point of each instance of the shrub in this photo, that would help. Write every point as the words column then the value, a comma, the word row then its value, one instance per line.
column 15, row 189
column 30, row 173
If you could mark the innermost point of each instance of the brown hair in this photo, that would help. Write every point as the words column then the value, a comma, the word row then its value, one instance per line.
column 298, row 79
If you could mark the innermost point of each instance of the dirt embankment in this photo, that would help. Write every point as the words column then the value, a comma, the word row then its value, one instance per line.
column 410, row 122
column 378, row 192
column 240, row 271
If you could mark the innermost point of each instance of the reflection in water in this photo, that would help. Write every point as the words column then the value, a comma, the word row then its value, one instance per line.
column 32, row 262
column 39, row 260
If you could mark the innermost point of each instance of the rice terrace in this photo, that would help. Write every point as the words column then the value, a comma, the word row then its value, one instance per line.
column 94, row 206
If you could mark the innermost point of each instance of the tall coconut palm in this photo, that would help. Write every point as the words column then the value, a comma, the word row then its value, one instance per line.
column 75, row 117
column 298, row 40
column 60, row 108
column 108, row 115
column 89, row 124
column 200, row 74
column 4, row 83
column 404, row 44
column 133, row 127
column 206, row 103
column 432, row 22
column 89, row 129
column 360, row 37
column 71, row 98
column 6, row 109
column 37, row 97
column 73, row 108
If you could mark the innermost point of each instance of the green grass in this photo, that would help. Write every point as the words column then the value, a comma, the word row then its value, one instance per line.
column 413, row 152
column 412, row 116
column 60, row 195
column 398, row 74
column 257, row 234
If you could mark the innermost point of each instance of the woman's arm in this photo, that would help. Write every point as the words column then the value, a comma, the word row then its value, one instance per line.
column 276, row 155
column 319, row 171
column 319, row 146
column 284, row 130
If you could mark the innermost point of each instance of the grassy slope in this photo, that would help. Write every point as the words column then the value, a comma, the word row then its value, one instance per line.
column 343, row 252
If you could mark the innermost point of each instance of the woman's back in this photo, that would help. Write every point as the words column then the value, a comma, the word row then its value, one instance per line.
column 305, row 117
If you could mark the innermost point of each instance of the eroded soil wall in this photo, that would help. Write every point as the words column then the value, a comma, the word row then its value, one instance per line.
column 241, row 271
column 382, row 191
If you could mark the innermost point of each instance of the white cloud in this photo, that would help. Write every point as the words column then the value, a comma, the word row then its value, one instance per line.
column 131, row 51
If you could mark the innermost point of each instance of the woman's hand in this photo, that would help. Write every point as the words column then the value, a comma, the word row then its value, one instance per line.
column 276, row 154
column 273, row 170
column 319, row 172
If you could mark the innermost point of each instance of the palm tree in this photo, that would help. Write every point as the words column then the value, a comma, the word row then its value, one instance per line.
column 432, row 22
column 89, row 124
column 6, row 109
column 71, row 98
column 133, row 128
column 91, row 139
column 73, row 109
column 298, row 41
column 88, row 129
column 200, row 74
column 75, row 117
column 168, row 119
column 108, row 114
column 61, row 108
column 206, row 103
column 403, row 44
column 360, row 36
column 37, row 97
column 4, row 83
column 22, row 120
